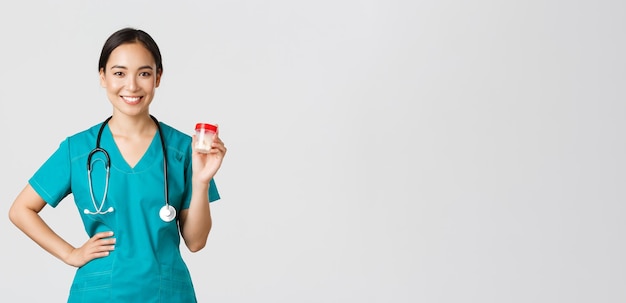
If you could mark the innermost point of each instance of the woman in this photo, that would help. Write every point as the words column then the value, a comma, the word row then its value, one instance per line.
column 133, row 253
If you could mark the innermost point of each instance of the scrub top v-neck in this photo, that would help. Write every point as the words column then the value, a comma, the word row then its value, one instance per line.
column 146, row 265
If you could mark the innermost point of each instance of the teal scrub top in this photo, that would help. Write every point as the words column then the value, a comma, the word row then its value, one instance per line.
column 146, row 265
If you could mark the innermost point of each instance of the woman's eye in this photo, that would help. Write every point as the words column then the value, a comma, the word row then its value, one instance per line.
column 119, row 74
column 145, row 74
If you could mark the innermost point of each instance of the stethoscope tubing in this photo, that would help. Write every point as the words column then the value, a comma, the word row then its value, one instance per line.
column 167, row 212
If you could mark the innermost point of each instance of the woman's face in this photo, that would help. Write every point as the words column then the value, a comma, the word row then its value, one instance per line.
column 130, row 79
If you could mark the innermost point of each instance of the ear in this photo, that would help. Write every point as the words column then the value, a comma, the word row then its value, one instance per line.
column 102, row 78
column 158, row 77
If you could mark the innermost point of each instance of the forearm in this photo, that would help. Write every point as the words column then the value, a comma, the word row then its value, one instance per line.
column 196, row 221
column 29, row 222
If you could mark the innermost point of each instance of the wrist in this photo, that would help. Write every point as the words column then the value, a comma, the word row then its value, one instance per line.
column 199, row 184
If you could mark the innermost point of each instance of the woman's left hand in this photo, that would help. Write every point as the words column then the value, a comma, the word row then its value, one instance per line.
column 205, row 166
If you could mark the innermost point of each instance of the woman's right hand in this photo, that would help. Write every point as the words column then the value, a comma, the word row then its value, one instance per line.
column 98, row 246
column 24, row 213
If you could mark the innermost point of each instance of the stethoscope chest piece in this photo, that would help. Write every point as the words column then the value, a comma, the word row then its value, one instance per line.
column 167, row 213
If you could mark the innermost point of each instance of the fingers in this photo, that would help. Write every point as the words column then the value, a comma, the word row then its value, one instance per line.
column 217, row 146
column 101, row 235
column 101, row 244
column 98, row 246
column 217, row 142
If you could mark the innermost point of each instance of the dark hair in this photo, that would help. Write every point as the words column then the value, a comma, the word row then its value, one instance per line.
column 129, row 35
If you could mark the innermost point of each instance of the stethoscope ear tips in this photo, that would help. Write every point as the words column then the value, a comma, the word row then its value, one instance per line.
column 88, row 212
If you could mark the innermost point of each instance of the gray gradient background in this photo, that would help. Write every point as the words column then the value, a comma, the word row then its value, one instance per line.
column 379, row 151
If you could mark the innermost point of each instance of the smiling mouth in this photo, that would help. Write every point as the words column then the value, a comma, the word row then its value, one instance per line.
column 131, row 100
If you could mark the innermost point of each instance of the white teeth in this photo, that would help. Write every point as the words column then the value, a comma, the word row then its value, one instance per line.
column 131, row 99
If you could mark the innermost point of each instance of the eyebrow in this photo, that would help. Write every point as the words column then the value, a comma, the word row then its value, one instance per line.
column 124, row 67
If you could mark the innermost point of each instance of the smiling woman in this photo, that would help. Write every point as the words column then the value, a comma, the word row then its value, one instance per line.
column 132, row 254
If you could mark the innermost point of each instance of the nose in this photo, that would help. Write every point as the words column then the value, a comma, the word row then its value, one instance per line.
column 131, row 83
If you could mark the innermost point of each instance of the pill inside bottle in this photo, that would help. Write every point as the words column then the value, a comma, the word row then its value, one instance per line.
column 204, row 137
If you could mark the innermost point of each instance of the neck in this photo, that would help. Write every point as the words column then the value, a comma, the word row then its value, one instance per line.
column 132, row 126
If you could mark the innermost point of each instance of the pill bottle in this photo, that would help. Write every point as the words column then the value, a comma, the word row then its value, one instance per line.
column 204, row 137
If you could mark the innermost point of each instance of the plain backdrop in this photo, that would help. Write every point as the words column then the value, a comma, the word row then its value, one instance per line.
column 378, row 151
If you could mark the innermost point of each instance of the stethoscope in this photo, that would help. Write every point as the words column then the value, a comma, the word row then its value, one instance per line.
column 167, row 212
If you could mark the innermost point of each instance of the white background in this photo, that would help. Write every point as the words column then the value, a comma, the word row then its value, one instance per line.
column 379, row 151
